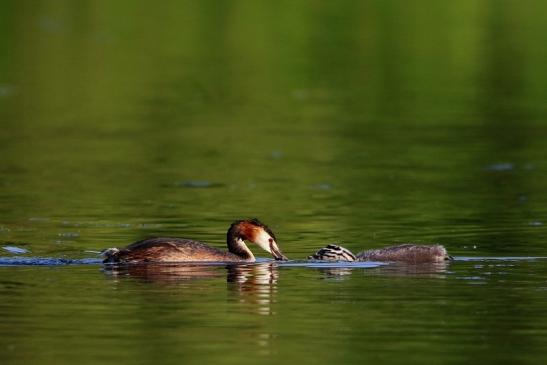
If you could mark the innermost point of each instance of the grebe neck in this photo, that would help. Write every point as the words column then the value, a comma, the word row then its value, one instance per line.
column 237, row 246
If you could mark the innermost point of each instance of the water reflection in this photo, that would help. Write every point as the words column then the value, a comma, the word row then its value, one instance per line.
column 336, row 273
column 255, row 284
column 430, row 269
column 163, row 273
column 437, row 270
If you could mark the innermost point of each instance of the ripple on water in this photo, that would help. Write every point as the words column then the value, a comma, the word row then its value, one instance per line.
column 46, row 261
column 69, row 234
column 332, row 264
column 503, row 166
column 39, row 219
column 198, row 184
column 15, row 250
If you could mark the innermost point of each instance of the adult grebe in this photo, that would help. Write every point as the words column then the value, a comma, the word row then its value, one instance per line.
column 407, row 252
column 181, row 249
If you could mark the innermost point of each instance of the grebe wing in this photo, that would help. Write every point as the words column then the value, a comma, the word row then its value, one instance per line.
column 170, row 249
column 172, row 242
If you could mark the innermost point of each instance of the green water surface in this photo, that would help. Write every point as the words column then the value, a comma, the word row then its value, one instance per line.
column 366, row 123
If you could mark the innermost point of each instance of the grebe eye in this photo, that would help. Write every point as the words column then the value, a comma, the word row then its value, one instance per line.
column 271, row 240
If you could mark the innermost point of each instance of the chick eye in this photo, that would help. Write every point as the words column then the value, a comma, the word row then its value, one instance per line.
column 271, row 240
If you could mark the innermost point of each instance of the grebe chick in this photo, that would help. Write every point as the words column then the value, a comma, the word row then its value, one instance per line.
column 406, row 252
column 184, row 250
column 333, row 252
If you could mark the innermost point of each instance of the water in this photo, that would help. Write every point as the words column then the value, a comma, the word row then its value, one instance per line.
column 366, row 123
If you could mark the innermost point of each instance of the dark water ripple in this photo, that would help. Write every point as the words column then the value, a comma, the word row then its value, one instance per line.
column 46, row 261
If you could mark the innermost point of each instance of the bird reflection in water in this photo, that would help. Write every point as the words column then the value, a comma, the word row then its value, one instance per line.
column 254, row 283
column 430, row 269
column 253, row 286
column 426, row 269
column 336, row 273
column 164, row 273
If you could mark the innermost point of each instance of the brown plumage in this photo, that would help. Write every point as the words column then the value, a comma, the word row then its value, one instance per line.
column 406, row 252
column 168, row 249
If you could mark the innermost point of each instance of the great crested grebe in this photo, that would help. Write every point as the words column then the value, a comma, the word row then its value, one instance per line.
column 407, row 253
column 180, row 249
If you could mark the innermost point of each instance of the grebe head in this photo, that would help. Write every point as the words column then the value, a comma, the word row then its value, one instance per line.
column 333, row 252
column 257, row 232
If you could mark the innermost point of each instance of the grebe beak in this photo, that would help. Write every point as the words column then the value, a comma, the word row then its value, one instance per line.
column 274, row 250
